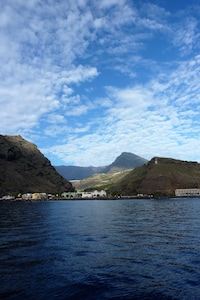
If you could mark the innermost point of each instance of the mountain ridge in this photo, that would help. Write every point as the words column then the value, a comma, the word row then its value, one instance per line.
column 126, row 160
column 23, row 168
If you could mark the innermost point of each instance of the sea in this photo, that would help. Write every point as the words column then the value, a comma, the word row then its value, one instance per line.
column 100, row 249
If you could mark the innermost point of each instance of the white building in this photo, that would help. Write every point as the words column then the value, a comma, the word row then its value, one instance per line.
column 94, row 194
column 187, row 192
column 89, row 195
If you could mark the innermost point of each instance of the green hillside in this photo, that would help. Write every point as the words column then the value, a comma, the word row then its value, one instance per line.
column 161, row 178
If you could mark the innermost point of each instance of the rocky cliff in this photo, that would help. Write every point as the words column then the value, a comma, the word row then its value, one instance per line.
column 23, row 168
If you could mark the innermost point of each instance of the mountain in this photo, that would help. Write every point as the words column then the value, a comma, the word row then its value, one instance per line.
column 123, row 162
column 78, row 173
column 23, row 168
column 160, row 176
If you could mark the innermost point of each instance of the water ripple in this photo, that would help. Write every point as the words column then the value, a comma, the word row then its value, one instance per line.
column 124, row 249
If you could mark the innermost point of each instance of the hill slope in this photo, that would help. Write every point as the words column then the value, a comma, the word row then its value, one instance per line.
column 124, row 161
column 99, row 181
column 159, row 179
column 78, row 173
column 23, row 168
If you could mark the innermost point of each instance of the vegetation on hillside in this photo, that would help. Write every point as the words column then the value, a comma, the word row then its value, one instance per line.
column 99, row 181
column 23, row 168
column 161, row 178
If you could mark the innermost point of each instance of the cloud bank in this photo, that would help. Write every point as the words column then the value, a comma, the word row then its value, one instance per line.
column 86, row 80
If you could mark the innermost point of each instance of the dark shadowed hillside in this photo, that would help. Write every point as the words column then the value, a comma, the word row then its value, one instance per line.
column 123, row 162
column 160, row 176
column 23, row 168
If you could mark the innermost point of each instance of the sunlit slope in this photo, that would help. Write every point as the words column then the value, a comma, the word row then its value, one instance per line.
column 99, row 181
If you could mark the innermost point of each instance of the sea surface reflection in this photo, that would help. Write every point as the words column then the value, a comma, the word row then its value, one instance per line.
column 100, row 249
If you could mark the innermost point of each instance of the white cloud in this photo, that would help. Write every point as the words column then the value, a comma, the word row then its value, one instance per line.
column 77, row 74
column 55, row 118
column 137, row 97
column 100, row 77
column 107, row 4
column 187, row 36
column 156, row 119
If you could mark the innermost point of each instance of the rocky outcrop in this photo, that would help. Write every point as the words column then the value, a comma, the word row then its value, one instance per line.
column 23, row 168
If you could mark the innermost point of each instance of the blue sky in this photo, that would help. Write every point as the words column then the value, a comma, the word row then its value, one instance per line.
column 88, row 79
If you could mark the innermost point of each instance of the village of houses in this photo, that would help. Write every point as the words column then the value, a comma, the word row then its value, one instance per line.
column 192, row 192
column 64, row 196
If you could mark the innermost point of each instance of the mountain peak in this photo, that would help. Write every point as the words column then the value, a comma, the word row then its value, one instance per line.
column 126, row 160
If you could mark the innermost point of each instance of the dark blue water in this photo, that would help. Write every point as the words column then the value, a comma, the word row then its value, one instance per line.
column 123, row 249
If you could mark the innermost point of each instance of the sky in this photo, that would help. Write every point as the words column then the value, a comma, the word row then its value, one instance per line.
column 86, row 80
